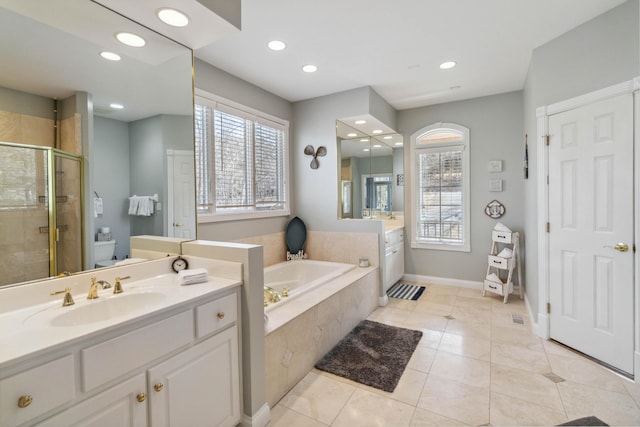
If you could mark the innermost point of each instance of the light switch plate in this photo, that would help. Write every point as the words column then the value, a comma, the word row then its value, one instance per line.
column 495, row 185
column 495, row 165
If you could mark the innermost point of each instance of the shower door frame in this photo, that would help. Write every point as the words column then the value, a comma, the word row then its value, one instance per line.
column 54, row 233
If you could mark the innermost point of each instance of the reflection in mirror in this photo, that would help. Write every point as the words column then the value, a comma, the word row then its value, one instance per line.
column 71, row 161
column 371, row 173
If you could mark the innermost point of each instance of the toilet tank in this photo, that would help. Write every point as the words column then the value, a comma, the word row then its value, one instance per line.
column 104, row 250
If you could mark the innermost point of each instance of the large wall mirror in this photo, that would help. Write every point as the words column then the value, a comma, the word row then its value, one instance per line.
column 371, row 173
column 81, row 135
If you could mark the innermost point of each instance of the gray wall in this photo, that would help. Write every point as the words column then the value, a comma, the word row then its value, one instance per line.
column 495, row 133
column 223, row 84
column 316, row 191
column 597, row 54
column 110, row 173
column 398, row 190
column 147, row 171
column 25, row 103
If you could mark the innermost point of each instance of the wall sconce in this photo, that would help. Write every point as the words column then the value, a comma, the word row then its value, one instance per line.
column 321, row 151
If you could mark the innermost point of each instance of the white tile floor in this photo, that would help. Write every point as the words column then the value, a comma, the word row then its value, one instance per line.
column 473, row 366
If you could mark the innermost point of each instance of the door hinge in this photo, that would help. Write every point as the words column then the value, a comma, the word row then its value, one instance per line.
column 634, row 248
column 548, row 228
column 547, row 179
column 548, row 308
column 547, row 137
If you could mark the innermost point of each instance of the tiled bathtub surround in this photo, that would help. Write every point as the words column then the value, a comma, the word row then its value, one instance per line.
column 321, row 246
column 299, row 334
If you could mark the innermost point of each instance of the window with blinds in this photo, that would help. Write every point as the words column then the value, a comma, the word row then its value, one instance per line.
column 440, row 187
column 240, row 163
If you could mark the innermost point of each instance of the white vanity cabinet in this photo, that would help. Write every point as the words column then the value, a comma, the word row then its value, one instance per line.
column 198, row 387
column 394, row 257
column 178, row 369
column 123, row 405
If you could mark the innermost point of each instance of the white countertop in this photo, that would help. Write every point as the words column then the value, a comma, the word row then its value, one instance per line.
column 28, row 331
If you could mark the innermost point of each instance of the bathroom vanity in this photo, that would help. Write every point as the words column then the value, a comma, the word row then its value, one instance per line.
column 157, row 354
column 394, row 255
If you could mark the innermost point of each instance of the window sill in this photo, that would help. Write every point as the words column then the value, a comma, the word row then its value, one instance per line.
column 441, row 246
column 237, row 216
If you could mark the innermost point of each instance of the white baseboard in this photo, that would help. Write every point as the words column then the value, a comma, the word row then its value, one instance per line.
column 445, row 281
column 259, row 419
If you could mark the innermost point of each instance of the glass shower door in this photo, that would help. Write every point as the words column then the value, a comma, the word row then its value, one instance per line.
column 67, row 235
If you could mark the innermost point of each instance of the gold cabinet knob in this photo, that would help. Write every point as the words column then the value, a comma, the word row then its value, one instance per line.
column 221, row 315
column 24, row 401
column 158, row 387
column 141, row 397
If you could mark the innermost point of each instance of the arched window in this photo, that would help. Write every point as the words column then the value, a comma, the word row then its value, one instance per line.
column 440, row 187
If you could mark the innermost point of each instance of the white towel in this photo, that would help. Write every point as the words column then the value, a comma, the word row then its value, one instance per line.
column 141, row 205
column 501, row 227
column 193, row 276
column 493, row 277
column 506, row 253
column 133, row 205
column 98, row 207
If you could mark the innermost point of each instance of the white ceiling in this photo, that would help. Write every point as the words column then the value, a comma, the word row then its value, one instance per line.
column 395, row 46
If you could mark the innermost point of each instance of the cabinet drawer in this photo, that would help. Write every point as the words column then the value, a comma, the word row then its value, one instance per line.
column 216, row 314
column 110, row 359
column 499, row 262
column 494, row 287
column 48, row 386
column 502, row 236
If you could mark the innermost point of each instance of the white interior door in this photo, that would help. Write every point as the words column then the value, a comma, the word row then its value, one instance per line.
column 591, row 211
column 182, row 193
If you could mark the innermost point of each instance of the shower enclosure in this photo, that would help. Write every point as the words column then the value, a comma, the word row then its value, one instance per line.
column 41, row 210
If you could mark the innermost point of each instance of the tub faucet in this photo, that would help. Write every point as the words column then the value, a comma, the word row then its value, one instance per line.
column 271, row 294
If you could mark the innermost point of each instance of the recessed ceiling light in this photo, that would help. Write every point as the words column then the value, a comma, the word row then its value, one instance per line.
column 277, row 45
column 351, row 135
column 364, row 140
column 377, row 145
column 360, row 122
column 310, row 68
column 387, row 137
column 131, row 39
column 365, row 149
column 447, row 65
column 377, row 131
column 173, row 17
column 399, row 144
column 116, row 106
column 110, row 56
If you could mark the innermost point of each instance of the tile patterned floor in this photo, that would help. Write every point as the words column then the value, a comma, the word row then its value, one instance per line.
column 475, row 365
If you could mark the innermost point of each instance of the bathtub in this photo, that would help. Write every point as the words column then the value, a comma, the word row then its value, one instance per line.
column 301, row 276
column 327, row 300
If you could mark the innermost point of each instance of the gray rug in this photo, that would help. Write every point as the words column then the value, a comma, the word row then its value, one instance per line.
column 586, row 421
column 373, row 354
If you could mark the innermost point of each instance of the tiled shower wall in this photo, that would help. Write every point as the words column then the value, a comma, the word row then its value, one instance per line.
column 24, row 249
column 321, row 246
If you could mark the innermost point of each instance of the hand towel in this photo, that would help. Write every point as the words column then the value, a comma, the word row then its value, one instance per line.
column 133, row 205
column 493, row 277
column 501, row 227
column 506, row 253
column 193, row 276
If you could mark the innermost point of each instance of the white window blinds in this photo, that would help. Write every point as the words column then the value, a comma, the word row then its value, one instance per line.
column 240, row 162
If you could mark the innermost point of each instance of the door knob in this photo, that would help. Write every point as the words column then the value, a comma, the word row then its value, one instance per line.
column 621, row 247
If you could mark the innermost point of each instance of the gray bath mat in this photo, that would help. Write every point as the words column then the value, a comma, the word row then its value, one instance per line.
column 586, row 421
column 373, row 354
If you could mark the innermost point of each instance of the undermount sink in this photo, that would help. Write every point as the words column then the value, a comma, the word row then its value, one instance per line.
column 101, row 309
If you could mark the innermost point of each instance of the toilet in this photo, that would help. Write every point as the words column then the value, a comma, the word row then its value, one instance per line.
column 103, row 253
